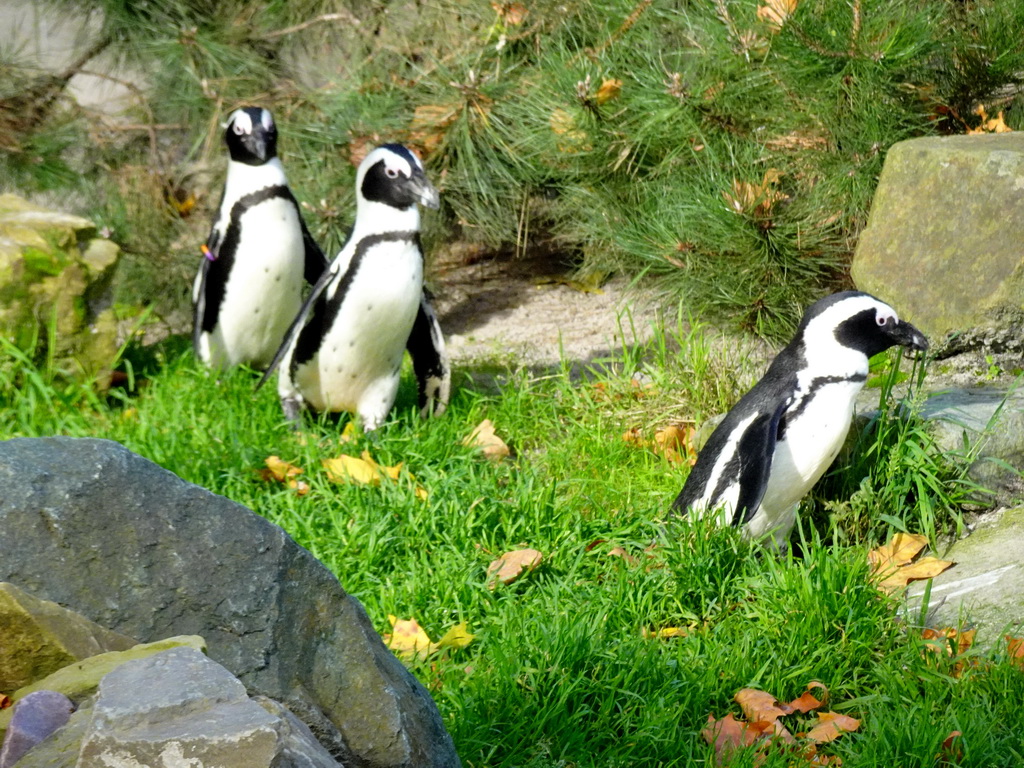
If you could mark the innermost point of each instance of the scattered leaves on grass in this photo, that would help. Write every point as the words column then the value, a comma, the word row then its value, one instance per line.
column 409, row 640
column 484, row 437
column 951, row 643
column 774, row 13
column 893, row 564
column 278, row 470
column 673, row 442
column 363, row 470
column 510, row 566
column 620, row 552
column 429, row 126
column 764, row 727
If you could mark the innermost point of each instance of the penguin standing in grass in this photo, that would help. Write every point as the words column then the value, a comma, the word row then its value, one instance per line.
column 785, row 432
column 344, row 350
column 249, row 286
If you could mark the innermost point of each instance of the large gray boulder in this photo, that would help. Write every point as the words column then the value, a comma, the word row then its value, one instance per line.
column 92, row 526
column 943, row 240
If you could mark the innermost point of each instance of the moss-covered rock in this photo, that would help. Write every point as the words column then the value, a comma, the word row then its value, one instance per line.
column 55, row 271
column 943, row 241
column 40, row 637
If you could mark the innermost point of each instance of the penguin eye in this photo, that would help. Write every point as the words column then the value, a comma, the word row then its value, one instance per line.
column 391, row 173
column 882, row 320
column 238, row 129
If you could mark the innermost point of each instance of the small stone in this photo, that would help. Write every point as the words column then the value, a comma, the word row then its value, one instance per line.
column 35, row 717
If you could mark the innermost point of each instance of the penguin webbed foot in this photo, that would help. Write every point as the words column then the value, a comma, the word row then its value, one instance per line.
column 292, row 408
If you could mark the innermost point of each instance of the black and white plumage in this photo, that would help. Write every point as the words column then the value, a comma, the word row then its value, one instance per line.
column 249, row 285
column 785, row 432
column 344, row 350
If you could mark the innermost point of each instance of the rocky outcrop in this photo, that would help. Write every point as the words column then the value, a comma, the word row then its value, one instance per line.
column 179, row 707
column 55, row 269
column 40, row 637
column 92, row 526
column 989, row 423
column 943, row 239
column 985, row 585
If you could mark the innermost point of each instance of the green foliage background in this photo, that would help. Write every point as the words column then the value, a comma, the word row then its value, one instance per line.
column 506, row 103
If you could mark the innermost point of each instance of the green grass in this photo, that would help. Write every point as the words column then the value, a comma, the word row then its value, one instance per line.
column 560, row 672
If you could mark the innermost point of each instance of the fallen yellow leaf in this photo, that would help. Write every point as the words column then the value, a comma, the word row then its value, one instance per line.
column 456, row 637
column 351, row 469
column 280, row 470
column 407, row 638
column 609, row 89
column 511, row 565
column 484, row 437
column 665, row 633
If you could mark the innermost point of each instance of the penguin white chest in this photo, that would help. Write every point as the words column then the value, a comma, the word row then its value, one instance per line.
column 358, row 364
column 814, row 433
column 264, row 291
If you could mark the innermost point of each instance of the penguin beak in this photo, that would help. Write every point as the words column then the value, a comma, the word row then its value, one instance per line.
column 424, row 192
column 907, row 335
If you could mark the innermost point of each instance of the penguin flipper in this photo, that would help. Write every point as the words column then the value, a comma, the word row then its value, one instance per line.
column 297, row 324
column 757, row 449
column 315, row 261
column 210, row 250
column 199, row 304
column 429, row 360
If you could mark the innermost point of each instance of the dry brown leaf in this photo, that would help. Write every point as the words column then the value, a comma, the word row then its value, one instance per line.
column 729, row 735
column 925, row 568
column 775, row 12
column 510, row 566
column 5, row 701
column 901, row 549
column 610, row 88
column 484, row 437
column 755, row 199
column 939, row 640
column 951, row 751
column 1015, row 648
column 830, row 726
column 675, row 443
column 760, row 706
column 620, row 552
column 510, row 13
column 807, row 701
column 891, row 563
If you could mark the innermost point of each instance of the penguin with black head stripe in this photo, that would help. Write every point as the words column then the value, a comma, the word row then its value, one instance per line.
column 785, row 432
column 249, row 285
column 344, row 350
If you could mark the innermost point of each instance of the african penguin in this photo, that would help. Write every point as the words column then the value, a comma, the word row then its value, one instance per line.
column 785, row 432
column 249, row 285
column 344, row 350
